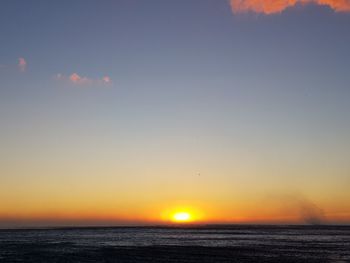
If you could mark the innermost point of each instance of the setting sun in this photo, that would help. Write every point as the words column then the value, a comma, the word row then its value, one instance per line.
column 180, row 213
column 182, row 217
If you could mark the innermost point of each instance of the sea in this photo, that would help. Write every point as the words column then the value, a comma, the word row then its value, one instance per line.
column 211, row 243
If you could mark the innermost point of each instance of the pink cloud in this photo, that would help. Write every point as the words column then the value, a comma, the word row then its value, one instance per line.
column 106, row 79
column 276, row 6
column 76, row 79
column 22, row 64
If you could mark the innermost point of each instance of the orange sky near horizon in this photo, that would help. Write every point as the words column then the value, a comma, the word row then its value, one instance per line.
column 226, row 190
column 267, row 210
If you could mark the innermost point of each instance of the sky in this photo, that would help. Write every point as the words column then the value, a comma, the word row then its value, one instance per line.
column 128, row 111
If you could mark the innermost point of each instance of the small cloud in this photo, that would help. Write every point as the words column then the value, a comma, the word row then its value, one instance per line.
column 273, row 6
column 76, row 79
column 106, row 79
column 58, row 76
column 22, row 64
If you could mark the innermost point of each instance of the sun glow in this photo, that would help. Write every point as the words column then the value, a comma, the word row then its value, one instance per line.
column 182, row 217
column 180, row 214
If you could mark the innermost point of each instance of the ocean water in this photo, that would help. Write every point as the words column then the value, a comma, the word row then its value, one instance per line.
column 173, row 244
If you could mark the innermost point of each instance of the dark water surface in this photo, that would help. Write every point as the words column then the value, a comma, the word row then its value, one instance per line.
column 197, row 244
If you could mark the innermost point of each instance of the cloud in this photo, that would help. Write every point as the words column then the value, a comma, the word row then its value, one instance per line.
column 277, row 6
column 106, row 79
column 22, row 64
column 76, row 79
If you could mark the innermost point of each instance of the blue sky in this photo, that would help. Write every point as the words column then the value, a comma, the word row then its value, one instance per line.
column 245, row 97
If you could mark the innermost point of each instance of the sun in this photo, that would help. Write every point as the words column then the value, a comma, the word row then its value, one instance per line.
column 182, row 217
column 182, row 214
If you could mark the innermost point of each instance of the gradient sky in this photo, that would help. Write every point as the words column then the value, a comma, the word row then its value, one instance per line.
column 119, row 112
